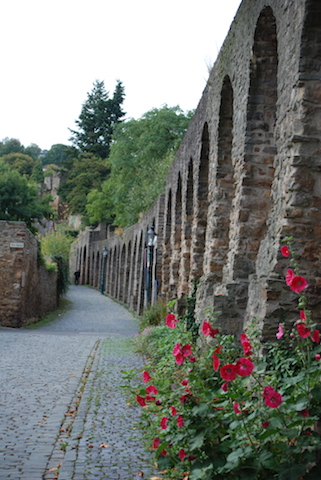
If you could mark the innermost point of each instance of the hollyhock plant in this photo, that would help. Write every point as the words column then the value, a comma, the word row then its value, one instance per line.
column 296, row 283
column 225, row 386
column 246, row 345
column 236, row 407
column 303, row 315
column 171, row 320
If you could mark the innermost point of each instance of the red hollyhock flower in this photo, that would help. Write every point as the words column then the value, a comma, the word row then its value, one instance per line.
column 304, row 413
column 272, row 398
column 146, row 376
column 163, row 423
column 225, row 386
column 177, row 349
column 184, row 382
column 192, row 359
column 208, row 330
column 180, row 421
column 265, row 424
column 156, row 443
column 285, row 251
column 152, row 389
column 246, row 345
column 228, row 372
column 179, row 358
column 303, row 330
column 317, row 356
column 216, row 362
column 187, row 350
column 303, row 315
column 173, row 410
column 182, row 454
column 297, row 284
column 171, row 320
column 183, row 398
column 150, row 398
column 289, row 276
column 244, row 367
column 218, row 350
column 163, row 452
column 141, row 401
column 316, row 336
column 236, row 407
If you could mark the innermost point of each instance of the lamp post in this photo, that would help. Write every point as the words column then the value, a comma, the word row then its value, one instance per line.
column 103, row 269
column 150, row 243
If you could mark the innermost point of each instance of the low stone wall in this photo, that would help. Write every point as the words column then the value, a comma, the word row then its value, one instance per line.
column 27, row 291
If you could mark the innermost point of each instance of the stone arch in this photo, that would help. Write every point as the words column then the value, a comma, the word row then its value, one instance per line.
column 140, row 274
column 122, row 274
column 200, row 225
column 127, row 273
column 187, row 230
column 97, row 265
column 167, row 251
column 177, row 238
column 260, row 145
column 115, row 272
column 224, row 190
column 84, row 266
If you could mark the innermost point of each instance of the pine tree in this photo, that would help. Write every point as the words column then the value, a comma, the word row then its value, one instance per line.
column 99, row 115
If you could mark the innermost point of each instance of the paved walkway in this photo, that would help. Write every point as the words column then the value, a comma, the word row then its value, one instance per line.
column 62, row 412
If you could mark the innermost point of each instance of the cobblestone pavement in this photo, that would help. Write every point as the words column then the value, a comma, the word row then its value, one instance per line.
column 63, row 413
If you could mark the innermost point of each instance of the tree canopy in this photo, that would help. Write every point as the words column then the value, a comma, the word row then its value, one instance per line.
column 19, row 199
column 99, row 115
column 141, row 153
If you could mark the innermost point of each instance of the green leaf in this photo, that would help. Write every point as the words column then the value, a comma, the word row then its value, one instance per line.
column 290, row 472
column 197, row 441
column 316, row 393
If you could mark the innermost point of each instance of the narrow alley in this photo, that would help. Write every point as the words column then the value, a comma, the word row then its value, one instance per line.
column 63, row 414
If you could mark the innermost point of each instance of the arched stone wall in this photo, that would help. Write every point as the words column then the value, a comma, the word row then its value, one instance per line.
column 247, row 174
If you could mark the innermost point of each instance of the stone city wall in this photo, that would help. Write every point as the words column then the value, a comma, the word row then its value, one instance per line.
column 27, row 291
column 247, row 175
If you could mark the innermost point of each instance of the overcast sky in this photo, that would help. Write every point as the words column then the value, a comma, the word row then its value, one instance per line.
column 53, row 51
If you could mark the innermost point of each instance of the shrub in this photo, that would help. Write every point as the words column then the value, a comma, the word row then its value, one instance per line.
column 231, row 412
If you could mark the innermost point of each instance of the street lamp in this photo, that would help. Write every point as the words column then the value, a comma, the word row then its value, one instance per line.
column 150, row 243
column 104, row 253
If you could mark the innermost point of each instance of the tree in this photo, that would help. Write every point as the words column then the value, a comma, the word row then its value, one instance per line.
column 19, row 199
column 33, row 151
column 37, row 175
column 57, row 155
column 140, row 156
column 10, row 145
column 98, row 117
column 88, row 172
column 19, row 161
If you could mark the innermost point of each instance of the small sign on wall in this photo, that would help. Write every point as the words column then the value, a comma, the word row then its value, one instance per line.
column 17, row 245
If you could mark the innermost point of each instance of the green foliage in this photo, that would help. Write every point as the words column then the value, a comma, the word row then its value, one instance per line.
column 37, row 175
column 190, row 321
column 98, row 117
column 57, row 155
column 63, row 272
column 24, row 164
column 11, row 145
column 228, row 412
column 88, row 171
column 19, row 199
column 154, row 315
column 56, row 242
column 140, row 156
column 33, row 151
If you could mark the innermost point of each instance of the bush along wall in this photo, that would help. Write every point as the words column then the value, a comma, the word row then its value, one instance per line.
column 234, row 410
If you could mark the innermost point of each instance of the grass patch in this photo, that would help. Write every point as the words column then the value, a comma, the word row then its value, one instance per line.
column 51, row 316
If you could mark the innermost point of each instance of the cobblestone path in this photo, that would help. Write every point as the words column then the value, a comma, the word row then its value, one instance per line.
column 63, row 413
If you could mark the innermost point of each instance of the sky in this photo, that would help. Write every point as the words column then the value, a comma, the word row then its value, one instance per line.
column 52, row 51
